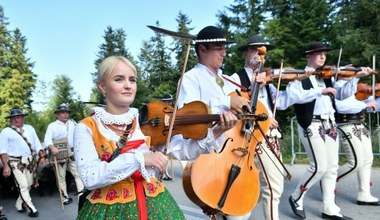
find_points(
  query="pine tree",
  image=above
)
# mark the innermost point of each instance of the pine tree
(156, 66)
(63, 92)
(17, 79)
(358, 31)
(114, 45)
(181, 46)
(242, 20)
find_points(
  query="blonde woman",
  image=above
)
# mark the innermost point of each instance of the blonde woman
(123, 187)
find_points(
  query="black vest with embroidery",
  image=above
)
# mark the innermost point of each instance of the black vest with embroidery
(304, 112)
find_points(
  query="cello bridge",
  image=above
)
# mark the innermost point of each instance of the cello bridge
(241, 152)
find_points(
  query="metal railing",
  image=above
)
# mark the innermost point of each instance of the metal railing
(298, 149)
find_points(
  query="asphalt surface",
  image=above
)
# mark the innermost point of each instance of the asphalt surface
(49, 206)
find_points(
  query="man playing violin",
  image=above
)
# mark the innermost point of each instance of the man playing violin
(268, 156)
(356, 141)
(315, 107)
(205, 82)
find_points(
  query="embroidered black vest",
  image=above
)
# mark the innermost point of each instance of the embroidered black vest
(304, 112)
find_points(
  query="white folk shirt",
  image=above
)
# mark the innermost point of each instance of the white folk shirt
(96, 173)
(323, 105)
(349, 105)
(58, 129)
(198, 84)
(12, 143)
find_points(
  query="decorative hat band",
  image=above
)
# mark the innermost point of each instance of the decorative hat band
(211, 40)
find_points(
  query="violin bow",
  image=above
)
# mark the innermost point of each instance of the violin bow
(337, 65)
(373, 76)
(277, 90)
(189, 39)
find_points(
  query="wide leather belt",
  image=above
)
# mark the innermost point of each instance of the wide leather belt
(324, 117)
(351, 118)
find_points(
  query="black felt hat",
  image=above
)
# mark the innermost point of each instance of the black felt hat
(16, 112)
(256, 40)
(63, 108)
(316, 46)
(211, 34)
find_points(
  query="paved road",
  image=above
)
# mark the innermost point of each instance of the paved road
(50, 208)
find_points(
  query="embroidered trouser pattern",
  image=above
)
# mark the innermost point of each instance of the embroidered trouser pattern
(357, 146)
(321, 145)
(24, 180)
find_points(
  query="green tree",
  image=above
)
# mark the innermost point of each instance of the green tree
(114, 45)
(156, 67)
(240, 20)
(63, 92)
(295, 24)
(13, 93)
(19, 62)
(181, 46)
(17, 80)
(357, 30)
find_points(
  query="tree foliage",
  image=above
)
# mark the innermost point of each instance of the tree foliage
(114, 45)
(17, 79)
(352, 25)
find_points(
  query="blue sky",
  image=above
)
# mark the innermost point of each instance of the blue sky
(63, 36)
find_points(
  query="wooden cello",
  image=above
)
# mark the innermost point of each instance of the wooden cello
(228, 181)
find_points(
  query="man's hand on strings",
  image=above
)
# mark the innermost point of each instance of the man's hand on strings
(238, 103)
(307, 74)
(365, 71)
(227, 121)
(261, 78)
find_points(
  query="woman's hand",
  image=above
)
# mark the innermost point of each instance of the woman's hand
(157, 160)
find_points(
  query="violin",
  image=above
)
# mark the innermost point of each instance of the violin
(288, 74)
(192, 120)
(364, 91)
(326, 72)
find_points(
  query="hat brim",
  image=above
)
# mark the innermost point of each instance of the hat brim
(243, 48)
(317, 50)
(11, 116)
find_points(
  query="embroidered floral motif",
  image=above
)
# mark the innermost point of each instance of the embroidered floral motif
(112, 194)
(365, 132)
(332, 133)
(96, 194)
(106, 155)
(357, 132)
(151, 188)
(126, 193)
(322, 133)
